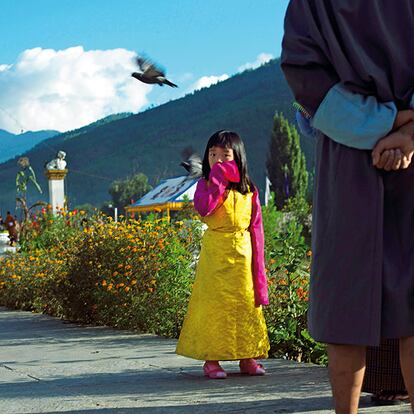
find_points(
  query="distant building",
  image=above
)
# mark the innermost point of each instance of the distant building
(169, 195)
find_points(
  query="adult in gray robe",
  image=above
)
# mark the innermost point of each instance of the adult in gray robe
(350, 64)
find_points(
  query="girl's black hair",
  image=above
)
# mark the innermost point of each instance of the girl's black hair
(229, 139)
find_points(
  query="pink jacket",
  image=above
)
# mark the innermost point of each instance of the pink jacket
(208, 197)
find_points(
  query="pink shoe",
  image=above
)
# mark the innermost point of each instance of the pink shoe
(214, 371)
(251, 367)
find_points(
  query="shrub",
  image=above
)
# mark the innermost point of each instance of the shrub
(138, 274)
(132, 275)
(288, 259)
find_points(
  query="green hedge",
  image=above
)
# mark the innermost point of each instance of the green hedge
(138, 275)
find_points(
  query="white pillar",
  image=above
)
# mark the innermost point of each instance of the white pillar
(268, 186)
(56, 188)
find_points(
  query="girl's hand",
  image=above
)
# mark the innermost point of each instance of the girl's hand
(228, 170)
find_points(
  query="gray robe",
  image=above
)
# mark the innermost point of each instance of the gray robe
(362, 278)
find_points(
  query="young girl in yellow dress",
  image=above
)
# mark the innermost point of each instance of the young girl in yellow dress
(224, 319)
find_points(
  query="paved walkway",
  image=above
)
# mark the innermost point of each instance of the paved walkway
(51, 366)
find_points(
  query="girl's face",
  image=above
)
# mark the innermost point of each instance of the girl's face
(219, 154)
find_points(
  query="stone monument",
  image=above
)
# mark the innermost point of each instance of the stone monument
(56, 172)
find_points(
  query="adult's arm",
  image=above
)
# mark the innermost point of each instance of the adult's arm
(304, 125)
(353, 119)
(306, 66)
(208, 195)
(349, 118)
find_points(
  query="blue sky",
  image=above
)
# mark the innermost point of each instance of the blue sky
(44, 78)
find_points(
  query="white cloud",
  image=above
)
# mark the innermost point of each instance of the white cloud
(262, 58)
(67, 89)
(206, 81)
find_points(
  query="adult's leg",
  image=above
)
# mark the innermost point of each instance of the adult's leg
(407, 365)
(346, 370)
(398, 268)
(345, 292)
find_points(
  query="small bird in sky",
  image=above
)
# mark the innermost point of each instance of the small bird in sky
(151, 73)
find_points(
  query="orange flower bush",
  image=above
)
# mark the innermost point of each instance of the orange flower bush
(135, 275)
(138, 275)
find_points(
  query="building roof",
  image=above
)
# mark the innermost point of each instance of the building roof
(174, 189)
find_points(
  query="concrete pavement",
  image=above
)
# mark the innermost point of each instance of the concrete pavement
(51, 366)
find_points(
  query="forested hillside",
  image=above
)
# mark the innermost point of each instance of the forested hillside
(151, 141)
(15, 144)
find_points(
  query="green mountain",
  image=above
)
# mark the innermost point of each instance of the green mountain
(12, 145)
(151, 142)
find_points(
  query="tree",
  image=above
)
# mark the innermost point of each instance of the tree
(286, 165)
(131, 188)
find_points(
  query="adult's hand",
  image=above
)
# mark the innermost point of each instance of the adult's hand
(385, 154)
(392, 159)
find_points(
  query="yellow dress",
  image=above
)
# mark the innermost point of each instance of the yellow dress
(222, 321)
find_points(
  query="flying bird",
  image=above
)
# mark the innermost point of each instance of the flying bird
(193, 164)
(151, 73)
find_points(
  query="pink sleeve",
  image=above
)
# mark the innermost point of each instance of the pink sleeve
(258, 262)
(208, 196)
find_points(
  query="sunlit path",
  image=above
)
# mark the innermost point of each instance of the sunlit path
(51, 366)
